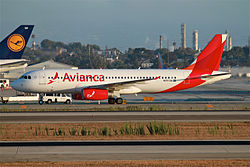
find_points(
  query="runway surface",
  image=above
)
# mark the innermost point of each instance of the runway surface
(139, 150)
(28, 117)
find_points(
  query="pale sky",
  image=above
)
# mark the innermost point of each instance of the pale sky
(127, 23)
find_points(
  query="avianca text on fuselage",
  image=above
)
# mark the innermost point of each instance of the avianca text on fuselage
(82, 78)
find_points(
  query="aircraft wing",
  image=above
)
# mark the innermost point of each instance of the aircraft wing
(12, 63)
(121, 85)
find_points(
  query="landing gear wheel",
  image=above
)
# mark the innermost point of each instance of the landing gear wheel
(119, 100)
(40, 102)
(49, 101)
(111, 100)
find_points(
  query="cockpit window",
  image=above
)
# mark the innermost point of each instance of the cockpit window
(29, 77)
(25, 77)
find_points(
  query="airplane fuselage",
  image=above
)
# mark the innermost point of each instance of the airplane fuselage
(74, 80)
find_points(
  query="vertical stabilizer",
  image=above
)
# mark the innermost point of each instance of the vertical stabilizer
(13, 45)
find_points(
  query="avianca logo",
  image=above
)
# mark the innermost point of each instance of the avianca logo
(53, 80)
(78, 78)
(82, 78)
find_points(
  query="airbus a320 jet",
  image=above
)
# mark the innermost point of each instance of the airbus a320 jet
(102, 84)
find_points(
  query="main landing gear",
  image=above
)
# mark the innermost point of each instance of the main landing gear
(113, 100)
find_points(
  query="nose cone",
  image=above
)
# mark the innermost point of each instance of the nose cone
(16, 85)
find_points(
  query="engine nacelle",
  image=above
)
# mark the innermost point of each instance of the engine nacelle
(92, 94)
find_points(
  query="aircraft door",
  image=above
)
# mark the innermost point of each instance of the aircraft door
(42, 78)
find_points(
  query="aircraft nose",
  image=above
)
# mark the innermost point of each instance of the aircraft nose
(17, 85)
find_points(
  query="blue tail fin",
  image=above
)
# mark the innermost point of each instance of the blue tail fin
(13, 45)
(161, 65)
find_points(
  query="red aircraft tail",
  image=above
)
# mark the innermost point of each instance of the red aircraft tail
(210, 58)
(207, 62)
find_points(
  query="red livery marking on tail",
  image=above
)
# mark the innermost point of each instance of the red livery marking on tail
(207, 62)
(212, 53)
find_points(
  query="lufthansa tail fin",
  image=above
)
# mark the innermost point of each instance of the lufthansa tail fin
(210, 58)
(12, 47)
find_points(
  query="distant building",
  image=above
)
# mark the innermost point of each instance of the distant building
(174, 46)
(195, 40)
(183, 36)
(160, 42)
(147, 64)
(227, 40)
(230, 43)
(249, 46)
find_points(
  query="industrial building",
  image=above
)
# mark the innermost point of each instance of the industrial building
(160, 42)
(195, 40)
(183, 36)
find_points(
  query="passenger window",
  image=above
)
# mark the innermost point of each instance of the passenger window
(29, 77)
(25, 77)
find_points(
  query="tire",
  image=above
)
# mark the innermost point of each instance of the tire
(40, 102)
(67, 101)
(49, 101)
(119, 100)
(5, 102)
(111, 100)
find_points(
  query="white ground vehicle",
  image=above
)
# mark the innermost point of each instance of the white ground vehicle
(19, 99)
(55, 97)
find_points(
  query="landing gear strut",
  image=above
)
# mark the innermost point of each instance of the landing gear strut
(113, 100)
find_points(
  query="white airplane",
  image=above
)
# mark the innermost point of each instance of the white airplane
(101, 84)
(12, 48)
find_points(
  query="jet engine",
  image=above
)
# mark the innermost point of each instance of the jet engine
(91, 94)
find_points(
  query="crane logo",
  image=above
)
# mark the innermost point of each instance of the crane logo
(53, 79)
(91, 95)
(16, 42)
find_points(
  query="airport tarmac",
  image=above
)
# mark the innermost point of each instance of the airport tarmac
(75, 117)
(125, 152)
